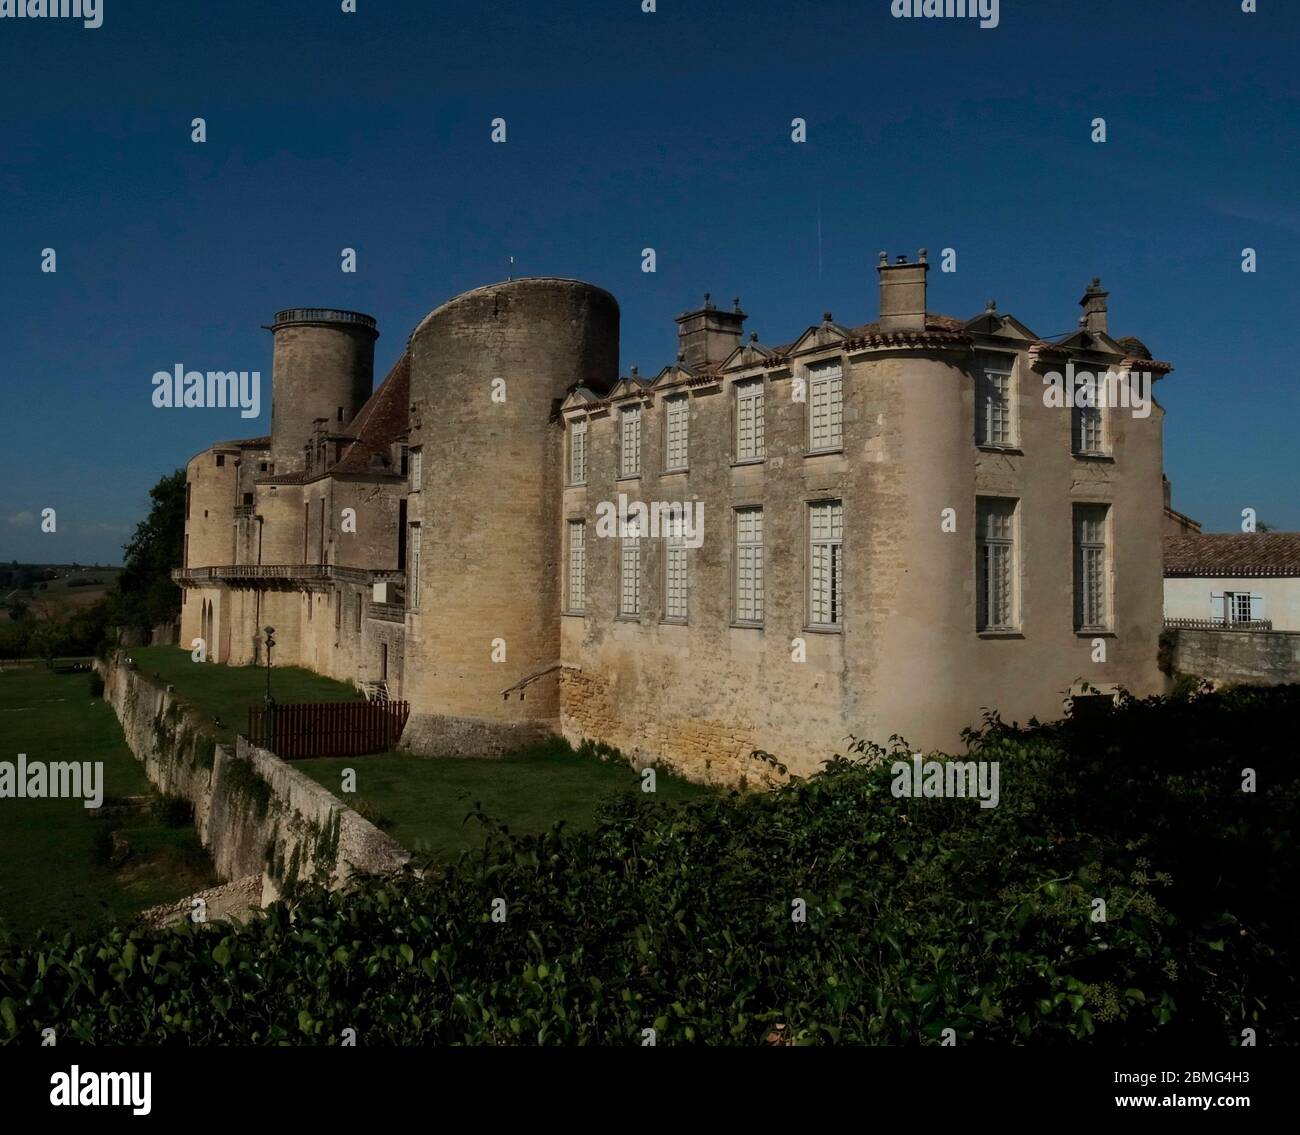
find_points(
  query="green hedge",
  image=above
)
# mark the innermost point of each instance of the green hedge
(922, 915)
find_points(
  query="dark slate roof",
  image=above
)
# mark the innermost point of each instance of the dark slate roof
(244, 443)
(381, 421)
(1135, 347)
(1233, 554)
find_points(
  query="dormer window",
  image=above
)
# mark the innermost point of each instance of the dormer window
(995, 400)
(1088, 415)
(825, 407)
(578, 452)
(630, 448)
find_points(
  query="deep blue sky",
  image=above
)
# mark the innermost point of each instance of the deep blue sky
(629, 130)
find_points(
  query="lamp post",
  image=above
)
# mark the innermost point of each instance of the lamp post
(269, 715)
(270, 643)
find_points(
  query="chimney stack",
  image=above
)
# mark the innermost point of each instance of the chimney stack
(902, 292)
(1094, 306)
(707, 335)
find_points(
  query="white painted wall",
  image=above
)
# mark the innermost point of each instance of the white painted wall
(1191, 598)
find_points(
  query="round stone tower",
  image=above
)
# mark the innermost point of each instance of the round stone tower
(323, 366)
(488, 372)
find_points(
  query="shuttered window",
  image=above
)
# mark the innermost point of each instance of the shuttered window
(751, 444)
(678, 432)
(412, 568)
(630, 577)
(996, 552)
(994, 425)
(826, 407)
(1091, 607)
(826, 563)
(578, 452)
(577, 565)
(631, 442)
(749, 565)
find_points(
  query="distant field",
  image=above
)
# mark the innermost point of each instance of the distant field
(53, 873)
(79, 588)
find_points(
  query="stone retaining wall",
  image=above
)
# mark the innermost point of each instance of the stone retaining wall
(256, 814)
(1251, 657)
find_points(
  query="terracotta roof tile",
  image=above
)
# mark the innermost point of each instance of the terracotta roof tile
(1229, 554)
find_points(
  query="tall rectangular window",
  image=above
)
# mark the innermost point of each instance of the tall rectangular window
(751, 444)
(338, 609)
(826, 563)
(577, 565)
(417, 469)
(356, 615)
(630, 447)
(578, 452)
(678, 432)
(749, 565)
(675, 578)
(1088, 423)
(1091, 605)
(996, 551)
(413, 568)
(994, 424)
(630, 577)
(825, 407)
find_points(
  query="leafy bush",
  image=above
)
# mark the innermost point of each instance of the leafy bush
(921, 915)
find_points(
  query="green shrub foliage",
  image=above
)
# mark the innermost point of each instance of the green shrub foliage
(921, 915)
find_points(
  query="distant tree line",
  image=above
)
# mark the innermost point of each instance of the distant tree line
(142, 596)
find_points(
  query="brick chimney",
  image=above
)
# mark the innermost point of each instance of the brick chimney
(708, 335)
(1094, 306)
(902, 292)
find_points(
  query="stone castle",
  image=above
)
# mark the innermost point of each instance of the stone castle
(898, 529)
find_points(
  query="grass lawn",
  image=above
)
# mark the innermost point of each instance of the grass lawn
(224, 693)
(54, 874)
(428, 798)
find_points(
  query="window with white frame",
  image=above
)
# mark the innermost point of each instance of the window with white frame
(1088, 416)
(677, 432)
(675, 577)
(577, 565)
(996, 551)
(1236, 606)
(751, 444)
(749, 565)
(578, 452)
(412, 569)
(826, 563)
(825, 407)
(994, 402)
(417, 469)
(1091, 605)
(630, 578)
(631, 442)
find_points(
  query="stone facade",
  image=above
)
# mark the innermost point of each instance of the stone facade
(454, 587)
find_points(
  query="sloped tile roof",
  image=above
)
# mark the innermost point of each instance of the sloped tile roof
(381, 421)
(1229, 554)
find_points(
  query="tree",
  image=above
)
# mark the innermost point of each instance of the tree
(144, 594)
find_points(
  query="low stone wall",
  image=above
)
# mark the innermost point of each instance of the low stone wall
(1260, 658)
(255, 813)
